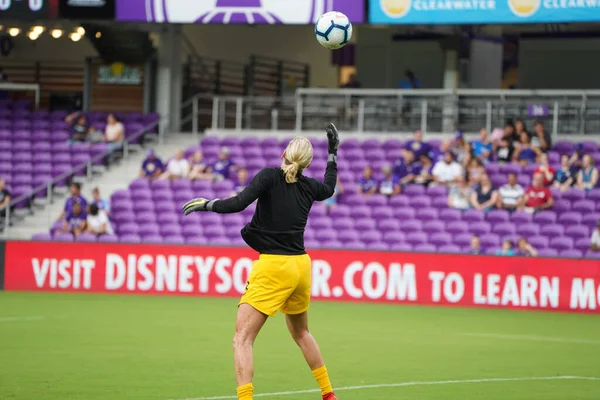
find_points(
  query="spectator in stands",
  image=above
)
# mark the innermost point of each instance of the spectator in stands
(545, 169)
(576, 160)
(505, 151)
(240, 181)
(80, 128)
(75, 221)
(98, 222)
(367, 185)
(510, 132)
(595, 245)
(75, 198)
(101, 203)
(152, 166)
(510, 194)
(410, 81)
(4, 199)
(352, 83)
(448, 171)
(424, 176)
(475, 171)
(497, 135)
(177, 167)
(507, 249)
(199, 169)
(485, 195)
(417, 146)
(482, 148)
(407, 168)
(519, 129)
(525, 249)
(460, 195)
(564, 176)
(461, 149)
(475, 245)
(541, 139)
(221, 167)
(332, 201)
(587, 177)
(390, 184)
(525, 153)
(437, 153)
(537, 196)
(114, 133)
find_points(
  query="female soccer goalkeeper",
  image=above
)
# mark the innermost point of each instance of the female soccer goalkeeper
(281, 278)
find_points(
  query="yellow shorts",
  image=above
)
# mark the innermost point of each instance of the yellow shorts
(279, 282)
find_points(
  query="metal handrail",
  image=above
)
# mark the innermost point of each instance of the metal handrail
(88, 164)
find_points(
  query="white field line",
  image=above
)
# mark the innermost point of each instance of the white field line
(20, 319)
(529, 338)
(403, 384)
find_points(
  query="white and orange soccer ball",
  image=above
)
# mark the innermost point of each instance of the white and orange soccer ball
(333, 30)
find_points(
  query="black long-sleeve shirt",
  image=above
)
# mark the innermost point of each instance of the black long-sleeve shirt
(277, 226)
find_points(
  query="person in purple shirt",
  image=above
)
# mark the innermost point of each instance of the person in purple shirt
(424, 176)
(407, 168)
(75, 197)
(390, 184)
(367, 185)
(76, 219)
(240, 181)
(152, 166)
(417, 145)
(221, 167)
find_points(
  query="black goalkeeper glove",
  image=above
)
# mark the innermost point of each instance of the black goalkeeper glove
(333, 139)
(198, 204)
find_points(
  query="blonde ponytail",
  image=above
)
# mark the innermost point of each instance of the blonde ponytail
(291, 172)
(298, 156)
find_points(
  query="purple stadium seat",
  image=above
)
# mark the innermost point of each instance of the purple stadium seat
(582, 244)
(332, 244)
(108, 239)
(414, 190)
(363, 224)
(388, 225)
(564, 147)
(547, 253)
(440, 238)
(570, 218)
(561, 243)
(593, 195)
(449, 248)
(392, 238)
(419, 201)
(432, 227)
(361, 212)
(416, 238)
(571, 253)
(462, 239)
(545, 217)
(349, 235)
(520, 217)
(577, 232)
(489, 240)
(479, 228)
(411, 226)
(173, 239)
(473, 216)
(591, 219)
(41, 236)
(528, 230)
(497, 216)
(370, 236)
(457, 227)
(343, 223)
(320, 223)
(425, 248)
(354, 200)
(191, 230)
(449, 215)
(573, 195)
(399, 201)
(63, 237)
(401, 247)
(382, 213)
(595, 255)
(539, 242)
(86, 237)
(552, 230)
(376, 200)
(584, 206)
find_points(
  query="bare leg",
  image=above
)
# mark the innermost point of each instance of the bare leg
(248, 323)
(298, 327)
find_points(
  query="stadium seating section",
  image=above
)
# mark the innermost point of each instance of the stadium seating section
(416, 220)
(34, 148)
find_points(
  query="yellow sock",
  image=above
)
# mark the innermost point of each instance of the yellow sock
(245, 392)
(322, 378)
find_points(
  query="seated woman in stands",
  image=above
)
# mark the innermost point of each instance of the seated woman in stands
(80, 128)
(199, 169)
(564, 176)
(114, 133)
(525, 153)
(587, 178)
(240, 181)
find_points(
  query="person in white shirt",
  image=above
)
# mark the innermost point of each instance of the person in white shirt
(114, 133)
(460, 195)
(447, 171)
(511, 194)
(98, 222)
(596, 238)
(177, 167)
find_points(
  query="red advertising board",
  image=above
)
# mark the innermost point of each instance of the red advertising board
(478, 281)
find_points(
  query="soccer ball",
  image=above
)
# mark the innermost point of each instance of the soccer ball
(333, 30)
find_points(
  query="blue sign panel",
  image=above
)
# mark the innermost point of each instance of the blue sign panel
(482, 11)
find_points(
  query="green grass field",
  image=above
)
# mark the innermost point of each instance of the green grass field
(81, 346)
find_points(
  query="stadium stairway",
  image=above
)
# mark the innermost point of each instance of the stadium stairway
(115, 178)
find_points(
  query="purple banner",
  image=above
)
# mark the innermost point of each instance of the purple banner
(237, 11)
(537, 110)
